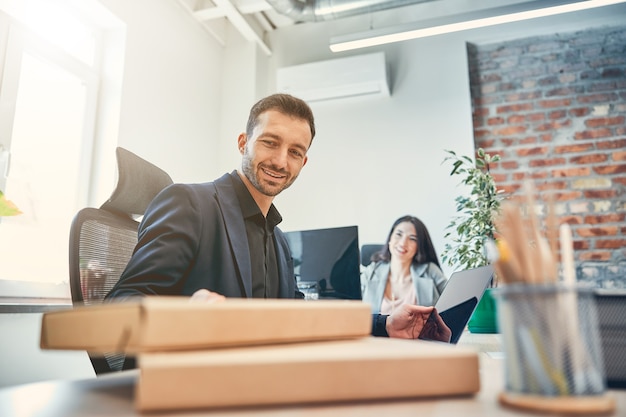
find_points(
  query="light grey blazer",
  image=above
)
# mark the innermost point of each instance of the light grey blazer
(428, 280)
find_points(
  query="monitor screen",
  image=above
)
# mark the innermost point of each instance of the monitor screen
(328, 258)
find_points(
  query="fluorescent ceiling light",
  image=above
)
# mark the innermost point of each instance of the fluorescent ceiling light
(464, 22)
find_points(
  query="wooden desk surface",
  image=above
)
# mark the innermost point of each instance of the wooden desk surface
(112, 395)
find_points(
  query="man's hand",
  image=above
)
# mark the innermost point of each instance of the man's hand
(436, 329)
(206, 296)
(408, 321)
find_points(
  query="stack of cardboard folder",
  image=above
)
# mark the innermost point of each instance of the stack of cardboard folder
(250, 352)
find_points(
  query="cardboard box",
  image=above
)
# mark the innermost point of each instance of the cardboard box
(173, 323)
(361, 369)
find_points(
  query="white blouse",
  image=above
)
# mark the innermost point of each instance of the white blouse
(403, 292)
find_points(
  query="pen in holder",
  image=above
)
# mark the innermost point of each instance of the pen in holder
(553, 355)
(549, 326)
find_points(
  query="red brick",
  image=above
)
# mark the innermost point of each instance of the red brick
(481, 132)
(532, 151)
(605, 121)
(579, 112)
(620, 180)
(619, 156)
(553, 185)
(610, 243)
(516, 119)
(484, 100)
(580, 147)
(553, 125)
(522, 96)
(595, 256)
(510, 189)
(593, 134)
(529, 140)
(605, 218)
(597, 98)
(610, 169)
(499, 177)
(495, 121)
(510, 165)
(481, 111)
(538, 175)
(484, 143)
(535, 117)
(563, 91)
(559, 114)
(546, 162)
(608, 194)
(573, 195)
(611, 144)
(511, 130)
(554, 103)
(572, 220)
(571, 172)
(546, 137)
(580, 245)
(597, 231)
(508, 142)
(589, 159)
(514, 108)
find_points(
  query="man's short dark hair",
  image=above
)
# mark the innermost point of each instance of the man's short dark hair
(284, 103)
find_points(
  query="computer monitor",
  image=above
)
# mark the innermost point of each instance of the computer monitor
(329, 258)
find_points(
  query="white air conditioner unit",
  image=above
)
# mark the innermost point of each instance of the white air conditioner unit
(361, 75)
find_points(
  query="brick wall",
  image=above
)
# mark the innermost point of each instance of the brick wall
(554, 108)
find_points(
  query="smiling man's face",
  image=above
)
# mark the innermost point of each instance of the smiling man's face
(276, 152)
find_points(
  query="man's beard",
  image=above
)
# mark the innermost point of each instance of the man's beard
(249, 171)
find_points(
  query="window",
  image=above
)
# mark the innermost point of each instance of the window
(49, 91)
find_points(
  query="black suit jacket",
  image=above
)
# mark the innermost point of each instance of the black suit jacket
(193, 236)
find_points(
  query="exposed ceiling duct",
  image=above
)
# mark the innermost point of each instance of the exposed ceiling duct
(320, 10)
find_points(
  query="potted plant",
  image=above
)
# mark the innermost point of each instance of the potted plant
(473, 224)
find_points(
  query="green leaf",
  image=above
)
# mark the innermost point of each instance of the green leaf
(7, 208)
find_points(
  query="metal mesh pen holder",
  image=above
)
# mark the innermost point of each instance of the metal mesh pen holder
(552, 349)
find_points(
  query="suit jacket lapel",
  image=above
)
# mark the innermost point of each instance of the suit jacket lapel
(235, 229)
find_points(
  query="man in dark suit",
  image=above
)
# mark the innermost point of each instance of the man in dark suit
(220, 239)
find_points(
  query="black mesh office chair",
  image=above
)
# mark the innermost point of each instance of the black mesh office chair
(103, 239)
(367, 251)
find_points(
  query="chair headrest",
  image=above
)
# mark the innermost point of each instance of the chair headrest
(139, 181)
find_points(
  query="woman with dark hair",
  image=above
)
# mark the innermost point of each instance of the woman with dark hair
(405, 271)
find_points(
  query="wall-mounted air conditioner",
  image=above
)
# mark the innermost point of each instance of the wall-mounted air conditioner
(361, 75)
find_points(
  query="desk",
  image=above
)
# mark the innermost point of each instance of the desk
(112, 395)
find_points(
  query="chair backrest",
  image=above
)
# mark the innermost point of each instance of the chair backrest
(102, 239)
(367, 251)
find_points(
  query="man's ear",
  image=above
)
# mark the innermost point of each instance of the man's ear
(241, 142)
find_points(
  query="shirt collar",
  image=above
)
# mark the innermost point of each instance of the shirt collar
(249, 207)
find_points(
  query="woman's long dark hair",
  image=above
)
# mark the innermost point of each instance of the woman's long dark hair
(425, 249)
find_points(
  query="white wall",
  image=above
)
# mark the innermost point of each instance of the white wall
(375, 160)
(171, 90)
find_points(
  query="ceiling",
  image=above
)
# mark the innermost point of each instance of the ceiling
(253, 19)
